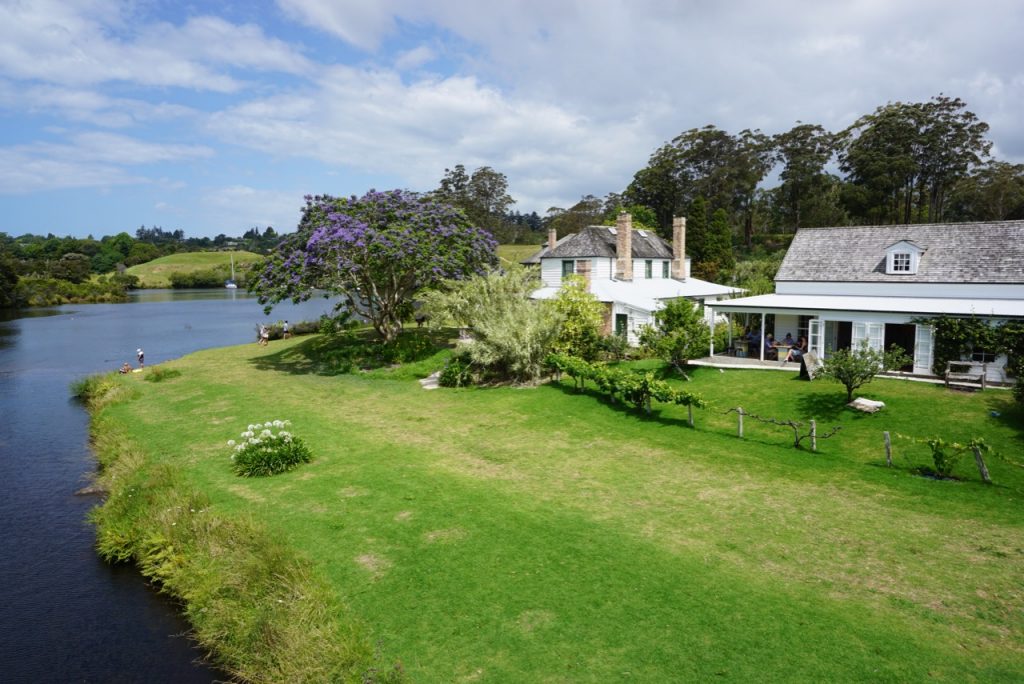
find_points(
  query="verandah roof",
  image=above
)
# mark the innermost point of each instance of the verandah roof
(786, 303)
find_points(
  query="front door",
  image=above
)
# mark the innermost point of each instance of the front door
(621, 324)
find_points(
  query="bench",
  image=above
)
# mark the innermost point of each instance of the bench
(966, 373)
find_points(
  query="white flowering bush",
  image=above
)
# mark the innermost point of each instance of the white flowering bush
(267, 449)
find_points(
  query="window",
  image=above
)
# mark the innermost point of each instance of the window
(803, 326)
(648, 269)
(664, 269)
(901, 262)
(568, 268)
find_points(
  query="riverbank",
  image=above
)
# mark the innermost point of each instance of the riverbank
(517, 535)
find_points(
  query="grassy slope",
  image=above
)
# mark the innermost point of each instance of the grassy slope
(525, 535)
(157, 273)
(513, 254)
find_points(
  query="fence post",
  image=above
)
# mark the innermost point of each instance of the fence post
(981, 464)
(888, 449)
(739, 412)
(689, 408)
(814, 435)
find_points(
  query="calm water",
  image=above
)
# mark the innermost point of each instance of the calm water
(65, 616)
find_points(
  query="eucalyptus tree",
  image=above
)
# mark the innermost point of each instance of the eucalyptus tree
(905, 157)
(804, 152)
(992, 192)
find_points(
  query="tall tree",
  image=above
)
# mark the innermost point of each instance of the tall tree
(697, 231)
(589, 211)
(904, 158)
(804, 151)
(993, 192)
(482, 195)
(708, 162)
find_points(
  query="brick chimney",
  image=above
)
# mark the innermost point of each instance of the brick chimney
(552, 238)
(679, 248)
(624, 247)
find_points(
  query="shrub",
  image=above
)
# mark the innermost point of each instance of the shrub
(1018, 390)
(456, 373)
(854, 368)
(262, 452)
(160, 374)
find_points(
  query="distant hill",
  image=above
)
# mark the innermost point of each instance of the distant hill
(157, 273)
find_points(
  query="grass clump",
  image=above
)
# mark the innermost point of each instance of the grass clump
(96, 391)
(160, 373)
(263, 452)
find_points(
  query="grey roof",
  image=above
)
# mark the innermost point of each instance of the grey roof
(990, 252)
(599, 241)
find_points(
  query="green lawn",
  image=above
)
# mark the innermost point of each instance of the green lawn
(513, 254)
(157, 273)
(538, 534)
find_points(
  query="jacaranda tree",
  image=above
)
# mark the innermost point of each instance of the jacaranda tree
(375, 252)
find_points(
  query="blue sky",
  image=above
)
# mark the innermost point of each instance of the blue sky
(217, 117)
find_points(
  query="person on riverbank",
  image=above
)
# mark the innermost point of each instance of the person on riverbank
(141, 356)
(285, 334)
(264, 336)
(125, 368)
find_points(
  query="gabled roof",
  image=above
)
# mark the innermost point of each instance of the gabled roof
(599, 241)
(990, 252)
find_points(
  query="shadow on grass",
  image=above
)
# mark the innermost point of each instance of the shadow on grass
(822, 406)
(1009, 413)
(352, 352)
(655, 416)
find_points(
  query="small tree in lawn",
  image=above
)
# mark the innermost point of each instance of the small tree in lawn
(582, 316)
(511, 334)
(681, 333)
(375, 252)
(854, 368)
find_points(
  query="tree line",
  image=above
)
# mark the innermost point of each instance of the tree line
(905, 162)
(58, 262)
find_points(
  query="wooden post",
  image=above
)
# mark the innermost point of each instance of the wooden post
(739, 412)
(981, 464)
(814, 435)
(888, 449)
(689, 409)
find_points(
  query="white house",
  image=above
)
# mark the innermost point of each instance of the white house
(631, 271)
(841, 285)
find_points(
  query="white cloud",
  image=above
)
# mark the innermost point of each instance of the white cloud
(373, 121)
(415, 58)
(86, 160)
(237, 208)
(92, 43)
(88, 106)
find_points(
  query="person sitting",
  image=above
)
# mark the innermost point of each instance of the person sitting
(788, 340)
(126, 368)
(769, 347)
(798, 351)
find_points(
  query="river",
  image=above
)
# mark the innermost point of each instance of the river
(66, 615)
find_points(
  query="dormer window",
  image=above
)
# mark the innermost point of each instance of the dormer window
(902, 258)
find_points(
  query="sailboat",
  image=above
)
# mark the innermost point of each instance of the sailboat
(230, 284)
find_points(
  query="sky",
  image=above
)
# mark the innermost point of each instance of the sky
(219, 117)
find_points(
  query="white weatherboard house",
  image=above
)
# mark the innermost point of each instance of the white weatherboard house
(631, 271)
(838, 286)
